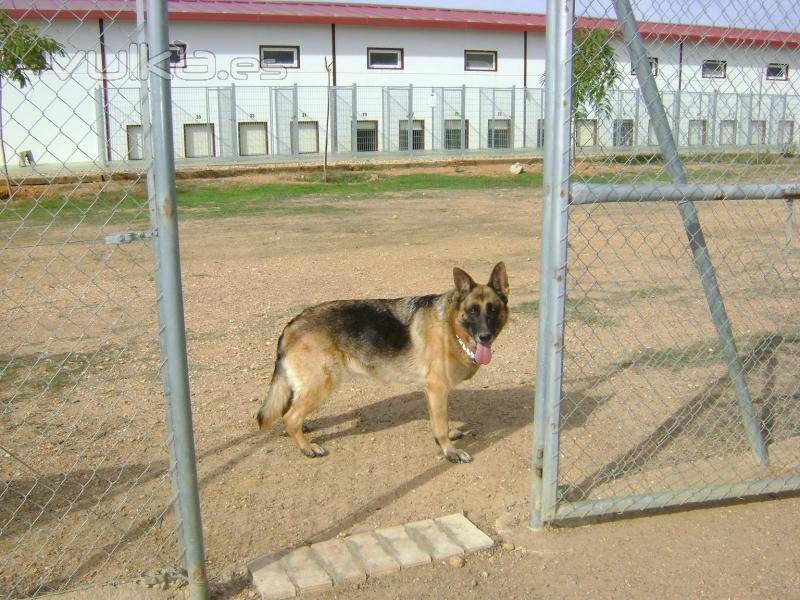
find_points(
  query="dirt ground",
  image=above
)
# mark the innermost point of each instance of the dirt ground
(243, 279)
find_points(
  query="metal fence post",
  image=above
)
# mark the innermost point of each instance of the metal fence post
(295, 123)
(513, 127)
(234, 128)
(480, 117)
(334, 113)
(694, 230)
(463, 118)
(386, 117)
(170, 300)
(354, 121)
(552, 270)
(101, 127)
(410, 132)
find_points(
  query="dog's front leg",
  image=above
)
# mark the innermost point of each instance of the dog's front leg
(436, 394)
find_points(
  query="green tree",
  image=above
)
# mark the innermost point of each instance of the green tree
(595, 72)
(23, 51)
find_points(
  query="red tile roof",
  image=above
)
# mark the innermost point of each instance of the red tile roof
(378, 15)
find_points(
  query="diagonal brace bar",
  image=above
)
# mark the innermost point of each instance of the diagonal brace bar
(692, 226)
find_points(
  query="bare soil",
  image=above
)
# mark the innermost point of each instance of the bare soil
(94, 486)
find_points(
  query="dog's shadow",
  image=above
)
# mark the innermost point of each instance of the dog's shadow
(485, 412)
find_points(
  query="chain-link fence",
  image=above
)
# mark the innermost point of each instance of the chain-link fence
(668, 368)
(85, 455)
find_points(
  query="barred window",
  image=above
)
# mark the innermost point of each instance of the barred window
(452, 134)
(499, 133)
(417, 134)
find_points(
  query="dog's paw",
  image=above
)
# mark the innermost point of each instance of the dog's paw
(455, 455)
(313, 451)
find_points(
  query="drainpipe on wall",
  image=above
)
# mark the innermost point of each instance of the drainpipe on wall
(333, 53)
(524, 89)
(676, 126)
(525, 59)
(104, 77)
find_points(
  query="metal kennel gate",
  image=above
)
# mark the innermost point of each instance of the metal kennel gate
(98, 478)
(667, 371)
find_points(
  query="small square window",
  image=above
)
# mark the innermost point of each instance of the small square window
(480, 60)
(758, 132)
(417, 135)
(778, 71)
(307, 136)
(135, 142)
(697, 132)
(727, 132)
(585, 133)
(199, 140)
(366, 136)
(623, 132)
(785, 132)
(177, 54)
(253, 140)
(653, 66)
(499, 133)
(715, 69)
(453, 134)
(280, 56)
(540, 133)
(385, 58)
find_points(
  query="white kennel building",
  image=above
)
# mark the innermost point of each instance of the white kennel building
(250, 82)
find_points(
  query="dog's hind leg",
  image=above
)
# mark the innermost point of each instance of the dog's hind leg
(313, 381)
(293, 422)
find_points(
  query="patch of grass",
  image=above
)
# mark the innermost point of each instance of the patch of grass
(643, 293)
(28, 375)
(621, 177)
(755, 350)
(106, 207)
(528, 307)
(577, 310)
(197, 200)
(587, 313)
(674, 359)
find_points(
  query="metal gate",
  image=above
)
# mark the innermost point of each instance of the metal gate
(669, 327)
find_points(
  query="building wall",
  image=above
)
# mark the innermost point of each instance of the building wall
(55, 117)
(223, 91)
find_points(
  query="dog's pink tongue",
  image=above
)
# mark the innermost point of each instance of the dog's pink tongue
(483, 354)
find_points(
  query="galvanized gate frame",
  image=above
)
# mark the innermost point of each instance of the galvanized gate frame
(153, 27)
(558, 194)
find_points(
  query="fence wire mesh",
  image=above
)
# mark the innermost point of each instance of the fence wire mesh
(85, 495)
(649, 414)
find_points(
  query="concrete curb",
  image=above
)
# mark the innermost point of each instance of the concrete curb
(309, 569)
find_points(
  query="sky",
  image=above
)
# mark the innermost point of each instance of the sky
(783, 15)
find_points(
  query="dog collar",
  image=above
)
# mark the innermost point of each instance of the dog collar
(466, 350)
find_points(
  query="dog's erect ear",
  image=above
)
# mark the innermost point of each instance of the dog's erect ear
(499, 280)
(463, 281)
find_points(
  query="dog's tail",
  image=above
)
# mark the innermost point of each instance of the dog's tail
(279, 397)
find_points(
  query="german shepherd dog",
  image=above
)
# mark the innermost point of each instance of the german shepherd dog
(434, 341)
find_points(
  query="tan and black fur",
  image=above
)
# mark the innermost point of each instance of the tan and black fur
(412, 340)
